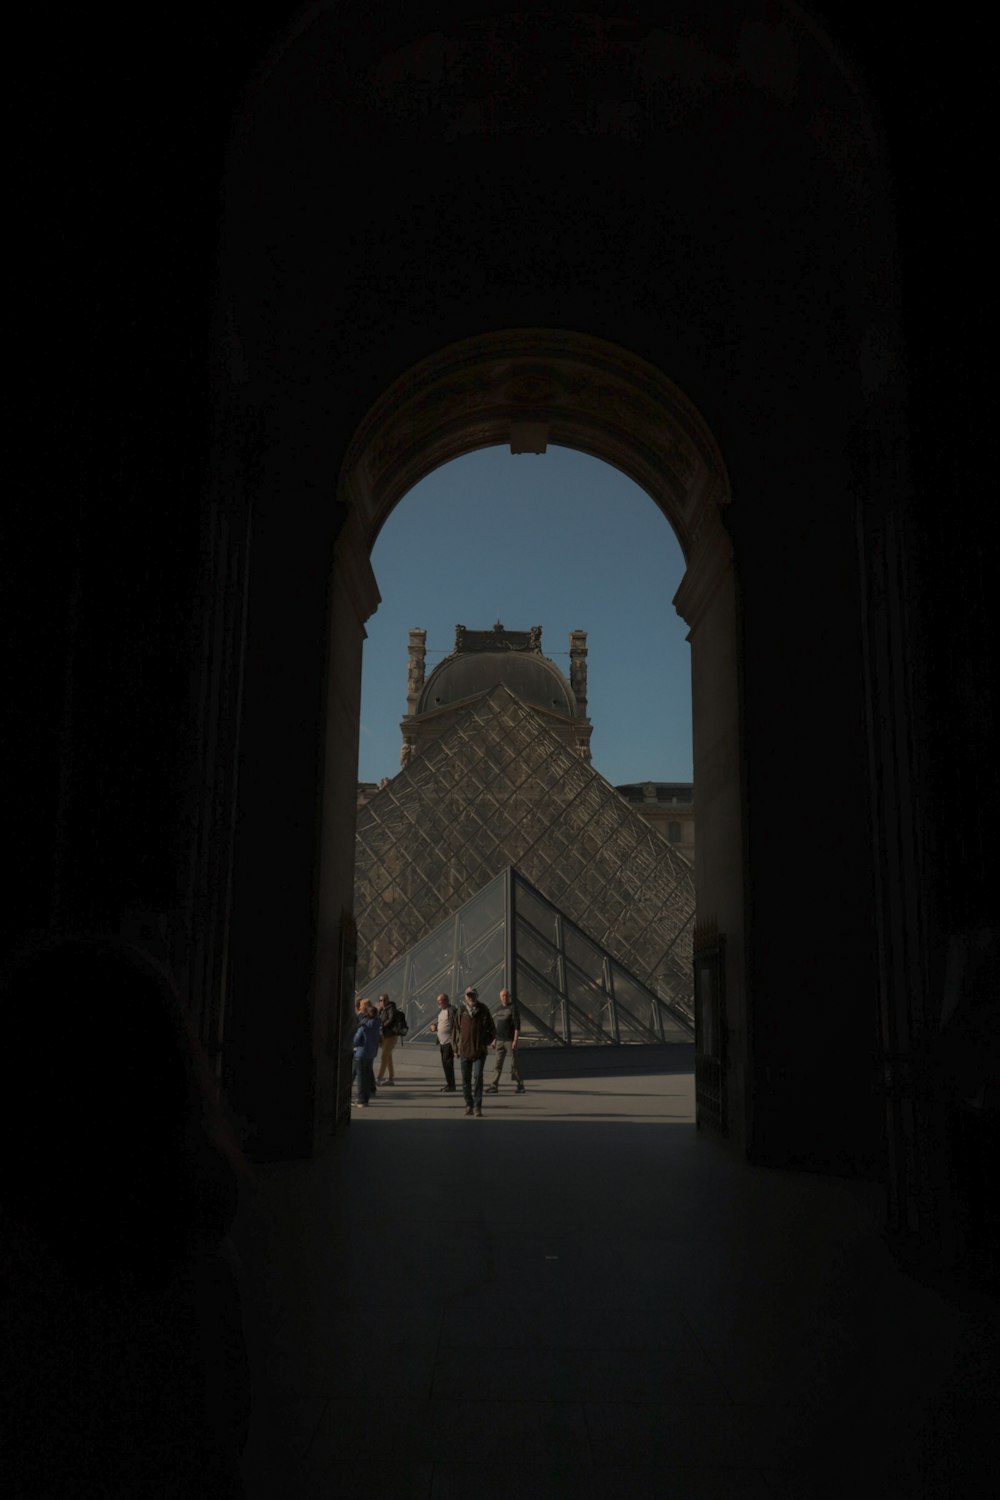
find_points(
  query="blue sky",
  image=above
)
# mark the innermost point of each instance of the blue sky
(559, 540)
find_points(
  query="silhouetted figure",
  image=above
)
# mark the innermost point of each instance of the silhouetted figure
(124, 1361)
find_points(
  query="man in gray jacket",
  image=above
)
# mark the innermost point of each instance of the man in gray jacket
(507, 1020)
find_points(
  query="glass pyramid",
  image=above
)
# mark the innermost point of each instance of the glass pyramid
(499, 789)
(569, 989)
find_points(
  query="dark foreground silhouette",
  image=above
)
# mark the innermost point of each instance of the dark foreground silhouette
(122, 1356)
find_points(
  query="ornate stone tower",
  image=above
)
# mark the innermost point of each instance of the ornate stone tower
(578, 682)
(415, 667)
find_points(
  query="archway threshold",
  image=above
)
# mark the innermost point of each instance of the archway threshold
(625, 1298)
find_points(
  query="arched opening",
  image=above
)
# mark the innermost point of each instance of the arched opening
(712, 214)
(559, 540)
(528, 388)
(563, 571)
(712, 187)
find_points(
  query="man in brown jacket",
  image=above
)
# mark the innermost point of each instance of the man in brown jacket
(473, 1032)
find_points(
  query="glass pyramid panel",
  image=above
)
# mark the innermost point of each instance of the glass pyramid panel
(499, 789)
(590, 1002)
(569, 989)
(468, 948)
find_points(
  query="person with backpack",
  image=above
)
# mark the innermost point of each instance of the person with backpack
(393, 1024)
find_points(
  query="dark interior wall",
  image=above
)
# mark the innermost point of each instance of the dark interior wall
(500, 174)
(109, 442)
(269, 1035)
(716, 215)
(717, 206)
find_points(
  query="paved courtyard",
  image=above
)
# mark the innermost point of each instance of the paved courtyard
(580, 1295)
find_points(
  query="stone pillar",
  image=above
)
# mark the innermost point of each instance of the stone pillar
(285, 1058)
(353, 599)
(707, 601)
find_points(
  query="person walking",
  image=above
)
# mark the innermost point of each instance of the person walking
(367, 1037)
(388, 1020)
(471, 1037)
(507, 1023)
(444, 1029)
(362, 1066)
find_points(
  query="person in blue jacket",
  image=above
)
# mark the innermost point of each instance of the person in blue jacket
(365, 1048)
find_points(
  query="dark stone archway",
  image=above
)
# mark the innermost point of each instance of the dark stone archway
(700, 207)
(581, 392)
(724, 192)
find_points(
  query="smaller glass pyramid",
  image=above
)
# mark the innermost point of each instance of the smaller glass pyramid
(569, 989)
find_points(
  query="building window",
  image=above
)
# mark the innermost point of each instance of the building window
(674, 832)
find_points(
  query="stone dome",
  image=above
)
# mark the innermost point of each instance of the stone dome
(531, 677)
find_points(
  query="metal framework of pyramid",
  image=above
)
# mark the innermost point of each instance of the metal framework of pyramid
(569, 990)
(498, 789)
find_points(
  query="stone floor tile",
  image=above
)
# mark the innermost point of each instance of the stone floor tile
(545, 1481)
(409, 1368)
(574, 1324)
(640, 1312)
(731, 1436)
(368, 1477)
(677, 1374)
(514, 1431)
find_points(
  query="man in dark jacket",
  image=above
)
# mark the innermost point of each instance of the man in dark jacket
(473, 1032)
(388, 1020)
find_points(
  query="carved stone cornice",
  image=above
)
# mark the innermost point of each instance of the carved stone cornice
(353, 569)
(710, 562)
(589, 394)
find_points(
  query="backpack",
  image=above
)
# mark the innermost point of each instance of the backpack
(400, 1026)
